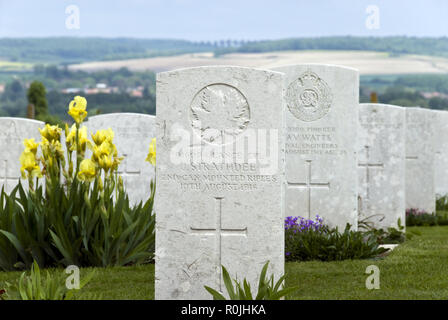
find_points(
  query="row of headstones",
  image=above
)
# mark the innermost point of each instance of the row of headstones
(326, 154)
(238, 149)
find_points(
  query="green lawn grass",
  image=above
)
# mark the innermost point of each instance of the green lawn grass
(417, 269)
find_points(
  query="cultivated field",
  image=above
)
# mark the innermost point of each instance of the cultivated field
(367, 62)
(14, 66)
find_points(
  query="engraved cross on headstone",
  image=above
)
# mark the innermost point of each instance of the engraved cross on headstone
(125, 172)
(369, 165)
(219, 232)
(308, 185)
(4, 177)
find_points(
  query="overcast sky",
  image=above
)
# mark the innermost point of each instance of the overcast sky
(223, 19)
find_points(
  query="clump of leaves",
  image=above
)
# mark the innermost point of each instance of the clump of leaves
(415, 217)
(328, 244)
(267, 290)
(390, 235)
(35, 287)
(81, 225)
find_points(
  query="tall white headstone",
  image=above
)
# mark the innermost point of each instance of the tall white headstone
(381, 164)
(220, 172)
(13, 131)
(321, 130)
(420, 193)
(133, 134)
(441, 152)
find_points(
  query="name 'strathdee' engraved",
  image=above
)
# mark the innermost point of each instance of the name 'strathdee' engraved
(309, 97)
(219, 113)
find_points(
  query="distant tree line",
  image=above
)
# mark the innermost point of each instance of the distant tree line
(408, 90)
(68, 50)
(395, 45)
(59, 77)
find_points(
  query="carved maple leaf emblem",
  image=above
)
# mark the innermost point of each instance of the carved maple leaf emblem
(221, 109)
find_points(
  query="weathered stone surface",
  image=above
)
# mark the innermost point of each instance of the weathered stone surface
(381, 164)
(321, 131)
(441, 152)
(219, 184)
(133, 134)
(420, 193)
(12, 133)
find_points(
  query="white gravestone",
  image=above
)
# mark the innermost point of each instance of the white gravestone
(133, 133)
(321, 118)
(420, 193)
(381, 164)
(13, 131)
(441, 152)
(220, 170)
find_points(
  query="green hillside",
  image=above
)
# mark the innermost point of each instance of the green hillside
(66, 50)
(394, 45)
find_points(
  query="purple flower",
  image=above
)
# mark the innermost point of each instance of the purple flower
(415, 212)
(303, 224)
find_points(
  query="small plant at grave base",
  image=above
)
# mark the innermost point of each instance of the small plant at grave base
(267, 290)
(415, 217)
(83, 216)
(307, 240)
(35, 287)
(389, 236)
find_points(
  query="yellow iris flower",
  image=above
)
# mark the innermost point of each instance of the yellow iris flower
(83, 137)
(117, 161)
(102, 135)
(51, 133)
(105, 162)
(31, 145)
(106, 148)
(29, 164)
(105, 155)
(77, 109)
(151, 158)
(87, 170)
(51, 148)
(70, 140)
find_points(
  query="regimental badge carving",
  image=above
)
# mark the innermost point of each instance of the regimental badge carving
(219, 113)
(309, 97)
